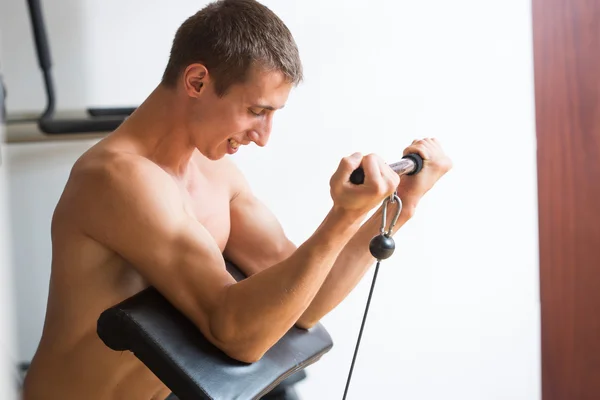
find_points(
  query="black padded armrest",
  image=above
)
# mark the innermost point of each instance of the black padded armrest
(188, 364)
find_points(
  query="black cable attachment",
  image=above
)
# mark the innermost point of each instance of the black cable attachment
(381, 247)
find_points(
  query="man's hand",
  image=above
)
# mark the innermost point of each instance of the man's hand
(380, 182)
(435, 165)
(355, 259)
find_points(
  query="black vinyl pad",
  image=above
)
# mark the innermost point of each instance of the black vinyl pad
(173, 348)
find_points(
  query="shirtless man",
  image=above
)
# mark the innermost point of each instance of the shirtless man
(159, 202)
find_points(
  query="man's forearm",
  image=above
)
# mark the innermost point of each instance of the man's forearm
(351, 265)
(258, 310)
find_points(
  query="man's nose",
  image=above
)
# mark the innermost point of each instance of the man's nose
(260, 135)
(260, 138)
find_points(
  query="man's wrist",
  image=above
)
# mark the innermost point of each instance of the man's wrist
(352, 217)
(344, 222)
(409, 205)
(408, 210)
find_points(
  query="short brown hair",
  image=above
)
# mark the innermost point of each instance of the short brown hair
(229, 37)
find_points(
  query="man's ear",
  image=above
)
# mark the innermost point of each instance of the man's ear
(195, 78)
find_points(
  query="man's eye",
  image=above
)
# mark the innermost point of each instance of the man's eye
(258, 114)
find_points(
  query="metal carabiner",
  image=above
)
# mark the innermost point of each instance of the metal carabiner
(393, 198)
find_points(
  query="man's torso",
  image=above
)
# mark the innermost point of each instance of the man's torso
(87, 278)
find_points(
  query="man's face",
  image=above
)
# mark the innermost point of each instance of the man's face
(221, 125)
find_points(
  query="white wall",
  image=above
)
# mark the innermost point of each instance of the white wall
(455, 313)
(8, 378)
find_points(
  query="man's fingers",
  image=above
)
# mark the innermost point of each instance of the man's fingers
(423, 147)
(381, 176)
(391, 177)
(373, 174)
(349, 164)
(417, 148)
(431, 151)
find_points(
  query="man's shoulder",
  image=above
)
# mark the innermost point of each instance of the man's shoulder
(105, 168)
(104, 187)
(101, 178)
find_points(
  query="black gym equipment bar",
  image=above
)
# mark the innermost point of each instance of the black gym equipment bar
(98, 120)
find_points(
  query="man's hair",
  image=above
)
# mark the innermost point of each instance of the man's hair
(230, 37)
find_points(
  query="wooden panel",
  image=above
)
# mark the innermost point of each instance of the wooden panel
(567, 94)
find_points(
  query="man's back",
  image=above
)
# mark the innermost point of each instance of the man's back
(87, 277)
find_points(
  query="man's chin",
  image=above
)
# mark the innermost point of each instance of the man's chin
(213, 155)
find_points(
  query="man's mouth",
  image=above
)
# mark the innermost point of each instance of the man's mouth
(234, 145)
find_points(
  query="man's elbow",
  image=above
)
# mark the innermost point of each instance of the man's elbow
(238, 346)
(252, 351)
(243, 350)
(247, 356)
(306, 323)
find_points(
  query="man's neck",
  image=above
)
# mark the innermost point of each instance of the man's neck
(157, 126)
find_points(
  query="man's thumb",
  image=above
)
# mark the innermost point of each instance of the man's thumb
(352, 162)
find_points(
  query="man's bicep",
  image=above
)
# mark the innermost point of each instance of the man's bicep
(141, 218)
(257, 240)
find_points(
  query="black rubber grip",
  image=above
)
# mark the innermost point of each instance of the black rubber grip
(358, 175)
(418, 163)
